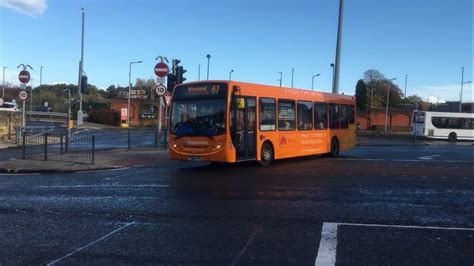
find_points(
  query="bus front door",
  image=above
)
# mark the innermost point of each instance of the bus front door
(245, 135)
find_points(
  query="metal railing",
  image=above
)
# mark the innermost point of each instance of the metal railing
(31, 131)
(58, 146)
(146, 137)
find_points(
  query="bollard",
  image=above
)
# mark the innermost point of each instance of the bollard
(46, 146)
(62, 142)
(128, 139)
(93, 149)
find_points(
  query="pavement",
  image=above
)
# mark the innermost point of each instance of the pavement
(104, 159)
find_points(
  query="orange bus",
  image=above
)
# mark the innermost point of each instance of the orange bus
(228, 121)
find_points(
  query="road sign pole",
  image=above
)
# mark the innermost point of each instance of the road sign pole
(23, 117)
(160, 114)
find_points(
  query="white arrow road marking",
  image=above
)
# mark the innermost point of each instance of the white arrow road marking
(428, 157)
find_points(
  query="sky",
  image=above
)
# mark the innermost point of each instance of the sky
(428, 40)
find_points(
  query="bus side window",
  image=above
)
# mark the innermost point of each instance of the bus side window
(286, 115)
(351, 114)
(305, 115)
(333, 116)
(343, 117)
(320, 115)
(267, 114)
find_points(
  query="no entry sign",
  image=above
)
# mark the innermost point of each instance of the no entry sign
(161, 70)
(24, 76)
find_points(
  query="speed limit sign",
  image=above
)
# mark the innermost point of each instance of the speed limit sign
(160, 89)
(23, 95)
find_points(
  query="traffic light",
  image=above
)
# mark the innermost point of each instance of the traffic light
(175, 63)
(179, 74)
(171, 82)
(83, 83)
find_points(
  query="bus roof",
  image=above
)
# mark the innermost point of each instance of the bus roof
(277, 91)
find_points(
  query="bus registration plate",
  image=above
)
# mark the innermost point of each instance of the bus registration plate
(195, 158)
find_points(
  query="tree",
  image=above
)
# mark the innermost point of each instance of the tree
(361, 95)
(377, 93)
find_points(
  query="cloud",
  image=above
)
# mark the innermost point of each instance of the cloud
(448, 92)
(32, 8)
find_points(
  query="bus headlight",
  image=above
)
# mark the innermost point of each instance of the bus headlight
(218, 146)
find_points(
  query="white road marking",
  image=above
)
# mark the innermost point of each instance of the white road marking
(410, 226)
(327, 245)
(428, 157)
(90, 244)
(398, 160)
(252, 237)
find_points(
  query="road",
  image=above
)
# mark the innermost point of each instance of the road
(373, 205)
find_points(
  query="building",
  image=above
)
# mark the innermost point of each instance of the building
(143, 112)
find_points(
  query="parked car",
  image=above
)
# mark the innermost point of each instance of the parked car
(9, 106)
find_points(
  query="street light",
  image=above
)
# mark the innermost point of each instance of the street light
(462, 83)
(386, 108)
(129, 88)
(312, 80)
(208, 59)
(68, 119)
(406, 78)
(281, 76)
(292, 74)
(41, 75)
(335, 88)
(230, 74)
(333, 76)
(199, 72)
(3, 87)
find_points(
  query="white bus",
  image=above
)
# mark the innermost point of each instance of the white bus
(443, 125)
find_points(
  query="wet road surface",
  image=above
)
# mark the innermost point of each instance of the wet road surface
(373, 205)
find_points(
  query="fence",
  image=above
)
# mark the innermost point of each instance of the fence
(146, 137)
(57, 145)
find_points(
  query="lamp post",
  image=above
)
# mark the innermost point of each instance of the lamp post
(292, 74)
(68, 119)
(208, 59)
(199, 72)
(386, 108)
(80, 114)
(230, 74)
(406, 78)
(281, 76)
(130, 88)
(312, 80)
(333, 76)
(462, 83)
(41, 75)
(31, 97)
(460, 102)
(335, 88)
(3, 86)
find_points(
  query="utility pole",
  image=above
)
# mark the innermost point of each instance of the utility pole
(41, 75)
(208, 59)
(3, 87)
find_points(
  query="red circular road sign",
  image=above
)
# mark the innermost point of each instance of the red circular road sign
(24, 76)
(161, 70)
(23, 95)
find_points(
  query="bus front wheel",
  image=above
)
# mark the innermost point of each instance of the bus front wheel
(452, 136)
(266, 154)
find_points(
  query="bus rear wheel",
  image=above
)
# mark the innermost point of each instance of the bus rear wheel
(334, 147)
(266, 155)
(452, 136)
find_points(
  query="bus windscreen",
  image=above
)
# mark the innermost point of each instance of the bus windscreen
(199, 110)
